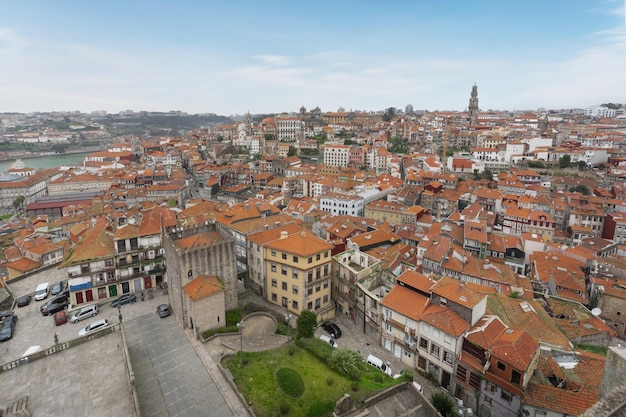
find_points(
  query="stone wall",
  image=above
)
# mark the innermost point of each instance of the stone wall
(183, 266)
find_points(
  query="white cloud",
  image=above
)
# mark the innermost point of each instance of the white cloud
(277, 60)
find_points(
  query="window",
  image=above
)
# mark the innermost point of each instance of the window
(309, 306)
(284, 286)
(294, 304)
(294, 273)
(284, 256)
(443, 302)
(285, 302)
(447, 357)
(501, 366)
(325, 298)
(434, 350)
(423, 343)
(274, 283)
(273, 268)
(325, 254)
(317, 257)
(317, 303)
(325, 284)
(295, 259)
(461, 372)
(318, 288)
(448, 339)
(506, 396)
(311, 260)
(283, 270)
(325, 270)
(273, 253)
(309, 291)
(516, 377)
(274, 298)
(294, 289)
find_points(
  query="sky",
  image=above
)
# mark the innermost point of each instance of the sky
(233, 56)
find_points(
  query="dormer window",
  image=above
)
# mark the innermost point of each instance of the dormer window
(443, 301)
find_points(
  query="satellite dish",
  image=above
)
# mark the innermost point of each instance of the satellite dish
(596, 311)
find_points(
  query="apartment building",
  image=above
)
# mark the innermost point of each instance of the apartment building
(113, 259)
(336, 155)
(296, 267)
(341, 204)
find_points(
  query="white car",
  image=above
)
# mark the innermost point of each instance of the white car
(329, 340)
(94, 327)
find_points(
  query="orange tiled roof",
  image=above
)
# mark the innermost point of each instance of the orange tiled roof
(457, 292)
(406, 302)
(199, 240)
(203, 286)
(446, 320)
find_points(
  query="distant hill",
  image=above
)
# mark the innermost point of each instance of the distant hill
(174, 122)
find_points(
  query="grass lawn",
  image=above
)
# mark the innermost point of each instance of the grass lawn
(257, 382)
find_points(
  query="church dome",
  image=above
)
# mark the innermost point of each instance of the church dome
(18, 164)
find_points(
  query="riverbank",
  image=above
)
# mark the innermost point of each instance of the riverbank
(35, 155)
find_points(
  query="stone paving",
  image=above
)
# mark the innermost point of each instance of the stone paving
(170, 378)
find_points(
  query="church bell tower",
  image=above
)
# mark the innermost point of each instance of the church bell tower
(473, 105)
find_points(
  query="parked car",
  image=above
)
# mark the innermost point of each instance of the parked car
(8, 327)
(85, 312)
(24, 300)
(94, 327)
(163, 310)
(60, 318)
(4, 314)
(124, 299)
(329, 340)
(332, 329)
(53, 305)
(57, 288)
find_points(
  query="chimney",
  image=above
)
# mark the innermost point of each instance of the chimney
(283, 234)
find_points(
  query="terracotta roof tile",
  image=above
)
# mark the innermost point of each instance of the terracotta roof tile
(203, 286)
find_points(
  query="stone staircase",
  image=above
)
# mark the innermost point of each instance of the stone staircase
(16, 409)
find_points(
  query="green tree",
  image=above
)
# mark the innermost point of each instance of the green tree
(389, 113)
(292, 151)
(269, 136)
(565, 161)
(306, 324)
(581, 165)
(488, 174)
(583, 189)
(444, 404)
(18, 203)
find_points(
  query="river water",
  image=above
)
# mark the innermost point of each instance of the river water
(51, 161)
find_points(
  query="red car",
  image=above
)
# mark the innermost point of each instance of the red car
(60, 318)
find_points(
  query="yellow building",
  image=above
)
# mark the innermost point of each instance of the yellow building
(298, 273)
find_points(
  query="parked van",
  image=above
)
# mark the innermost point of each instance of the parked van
(42, 291)
(84, 313)
(378, 363)
(329, 340)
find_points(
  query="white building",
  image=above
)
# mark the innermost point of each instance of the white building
(336, 155)
(599, 111)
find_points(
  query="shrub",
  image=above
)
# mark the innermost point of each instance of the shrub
(443, 403)
(321, 350)
(233, 317)
(329, 380)
(346, 362)
(407, 375)
(244, 360)
(378, 377)
(284, 408)
(354, 386)
(290, 382)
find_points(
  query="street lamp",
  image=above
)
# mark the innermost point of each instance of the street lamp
(288, 317)
(241, 325)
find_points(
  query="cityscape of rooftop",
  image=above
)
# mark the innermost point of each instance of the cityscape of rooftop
(230, 58)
